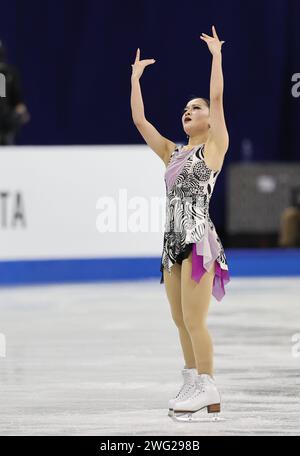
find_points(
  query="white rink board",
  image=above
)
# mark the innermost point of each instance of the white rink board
(56, 190)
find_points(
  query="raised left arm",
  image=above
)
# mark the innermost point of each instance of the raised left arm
(218, 137)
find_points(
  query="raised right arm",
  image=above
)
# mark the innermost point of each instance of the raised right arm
(162, 146)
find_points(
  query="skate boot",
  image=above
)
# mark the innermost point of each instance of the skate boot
(186, 389)
(206, 395)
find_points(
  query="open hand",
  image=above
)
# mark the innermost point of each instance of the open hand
(213, 42)
(139, 65)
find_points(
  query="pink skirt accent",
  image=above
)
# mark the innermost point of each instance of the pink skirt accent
(221, 277)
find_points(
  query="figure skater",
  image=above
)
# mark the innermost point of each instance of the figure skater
(193, 262)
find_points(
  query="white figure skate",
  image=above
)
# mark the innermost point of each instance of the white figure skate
(187, 389)
(206, 395)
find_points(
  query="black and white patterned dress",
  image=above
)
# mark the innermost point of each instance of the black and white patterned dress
(189, 187)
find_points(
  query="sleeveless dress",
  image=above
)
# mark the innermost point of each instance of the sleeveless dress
(189, 187)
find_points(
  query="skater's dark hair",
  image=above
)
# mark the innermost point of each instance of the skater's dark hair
(207, 102)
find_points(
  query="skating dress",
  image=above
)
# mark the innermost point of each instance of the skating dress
(189, 187)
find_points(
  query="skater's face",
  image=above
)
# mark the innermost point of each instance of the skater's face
(198, 111)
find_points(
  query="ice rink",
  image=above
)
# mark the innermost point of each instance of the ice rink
(104, 359)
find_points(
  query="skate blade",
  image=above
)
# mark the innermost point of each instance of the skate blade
(199, 416)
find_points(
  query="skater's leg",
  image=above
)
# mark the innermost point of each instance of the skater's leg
(173, 290)
(195, 299)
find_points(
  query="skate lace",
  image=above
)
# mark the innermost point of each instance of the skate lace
(200, 388)
(184, 389)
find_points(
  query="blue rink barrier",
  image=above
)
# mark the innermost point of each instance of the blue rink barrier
(242, 263)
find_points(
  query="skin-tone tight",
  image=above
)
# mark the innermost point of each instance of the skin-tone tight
(189, 302)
